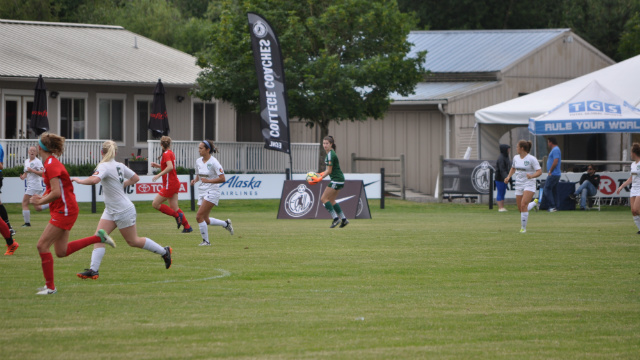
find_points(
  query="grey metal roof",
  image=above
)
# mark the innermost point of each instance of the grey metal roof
(478, 50)
(440, 91)
(89, 53)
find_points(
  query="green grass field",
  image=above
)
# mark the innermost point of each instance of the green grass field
(444, 281)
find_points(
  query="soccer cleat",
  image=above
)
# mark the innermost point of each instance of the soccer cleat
(229, 227)
(88, 274)
(190, 229)
(179, 219)
(522, 231)
(335, 223)
(11, 249)
(537, 207)
(344, 223)
(105, 238)
(502, 210)
(167, 257)
(205, 243)
(553, 210)
(46, 291)
(26, 225)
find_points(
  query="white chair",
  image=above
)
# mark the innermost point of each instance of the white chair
(593, 202)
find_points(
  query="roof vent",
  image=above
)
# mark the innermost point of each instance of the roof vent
(135, 42)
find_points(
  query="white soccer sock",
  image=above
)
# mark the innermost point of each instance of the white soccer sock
(204, 231)
(96, 258)
(524, 217)
(216, 222)
(153, 247)
(26, 214)
(636, 219)
(531, 206)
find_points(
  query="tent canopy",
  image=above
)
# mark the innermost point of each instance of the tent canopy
(494, 121)
(592, 110)
(622, 79)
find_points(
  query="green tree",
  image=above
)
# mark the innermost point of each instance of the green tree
(34, 10)
(630, 40)
(342, 58)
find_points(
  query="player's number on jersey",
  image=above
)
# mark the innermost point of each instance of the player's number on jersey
(120, 175)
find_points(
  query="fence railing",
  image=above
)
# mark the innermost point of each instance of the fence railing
(77, 152)
(237, 157)
(242, 157)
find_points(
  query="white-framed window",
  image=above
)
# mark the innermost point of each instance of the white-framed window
(72, 114)
(111, 117)
(205, 115)
(143, 105)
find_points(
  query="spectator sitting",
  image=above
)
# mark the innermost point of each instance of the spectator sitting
(589, 183)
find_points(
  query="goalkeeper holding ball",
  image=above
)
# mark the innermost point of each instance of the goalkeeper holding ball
(337, 182)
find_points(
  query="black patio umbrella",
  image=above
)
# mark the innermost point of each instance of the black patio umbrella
(39, 120)
(158, 120)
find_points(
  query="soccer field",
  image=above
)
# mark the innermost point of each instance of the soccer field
(417, 281)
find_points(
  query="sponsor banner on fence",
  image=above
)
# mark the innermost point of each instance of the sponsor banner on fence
(609, 182)
(466, 176)
(237, 186)
(302, 201)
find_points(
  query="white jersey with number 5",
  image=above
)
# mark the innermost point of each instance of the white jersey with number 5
(112, 175)
(527, 165)
(209, 170)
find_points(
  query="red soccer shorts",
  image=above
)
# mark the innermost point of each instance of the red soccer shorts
(63, 222)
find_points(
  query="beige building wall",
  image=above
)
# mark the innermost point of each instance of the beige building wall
(419, 134)
(557, 62)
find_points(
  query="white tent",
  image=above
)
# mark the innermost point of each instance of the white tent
(622, 79)
(593, 110)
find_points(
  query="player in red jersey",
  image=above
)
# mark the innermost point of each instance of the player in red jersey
(170, 186)
(63, 209)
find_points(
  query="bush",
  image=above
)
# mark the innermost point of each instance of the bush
(73, 170)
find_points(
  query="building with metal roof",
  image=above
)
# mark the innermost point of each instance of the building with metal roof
(469, 70)
(100, 81)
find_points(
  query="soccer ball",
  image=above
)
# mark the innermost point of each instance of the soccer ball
(310, 176)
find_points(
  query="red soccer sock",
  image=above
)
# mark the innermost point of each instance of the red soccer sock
(47, 269)
(185, 223)
(81, 244)
(167, 210)
(4, 230)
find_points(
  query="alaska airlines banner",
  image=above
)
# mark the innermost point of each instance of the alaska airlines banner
(267, 58)
(466, 176)
(302, 201)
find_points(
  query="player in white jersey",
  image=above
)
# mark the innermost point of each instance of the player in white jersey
(526, 169)
(634, 180)
(119, 211)
(33, 170)
(210, 174)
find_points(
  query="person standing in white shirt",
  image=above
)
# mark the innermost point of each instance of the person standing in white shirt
(210, 174)
(634, 180)
(33, 170)
(119, 211)
(526, 168)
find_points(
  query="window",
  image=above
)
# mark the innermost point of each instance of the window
(144, 107)
(204, 121)
(111, 119)
(72, 118)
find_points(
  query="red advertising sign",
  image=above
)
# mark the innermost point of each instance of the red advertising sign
(154, 188)
(607, 185)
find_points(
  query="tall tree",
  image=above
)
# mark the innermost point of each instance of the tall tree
(342, 58)
(630, 40)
